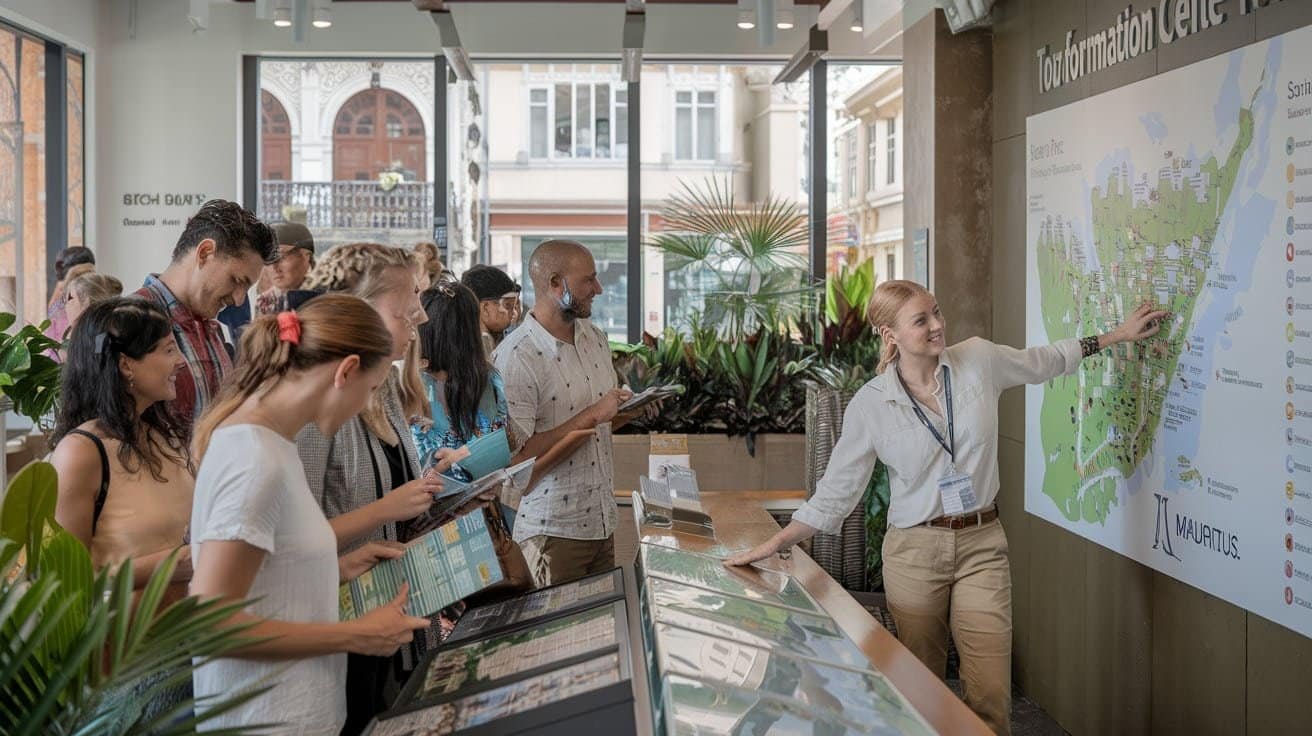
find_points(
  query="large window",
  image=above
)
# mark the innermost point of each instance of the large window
(33, 136)
(590, 119)
(537, 151)
(719, 139)
(346, 147)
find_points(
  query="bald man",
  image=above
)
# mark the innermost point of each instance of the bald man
(558, 378)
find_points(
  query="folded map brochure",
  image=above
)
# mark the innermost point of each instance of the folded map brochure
(488, 453)
(479, 457)
(443, 566)
(648, 395)
(456, 494)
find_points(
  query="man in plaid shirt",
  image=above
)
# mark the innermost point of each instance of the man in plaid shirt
(215, 261)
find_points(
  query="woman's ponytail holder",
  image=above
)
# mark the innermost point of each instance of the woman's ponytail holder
(289, 327)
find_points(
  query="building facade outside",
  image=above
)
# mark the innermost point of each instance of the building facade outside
(539, 150)
(866, 205)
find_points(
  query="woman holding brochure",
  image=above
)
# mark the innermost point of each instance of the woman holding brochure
(365, 474)
(258, 534)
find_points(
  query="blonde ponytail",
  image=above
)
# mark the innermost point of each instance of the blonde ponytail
(885, 303)
(332, 327)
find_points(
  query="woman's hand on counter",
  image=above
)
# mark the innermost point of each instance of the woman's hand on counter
(782, 541)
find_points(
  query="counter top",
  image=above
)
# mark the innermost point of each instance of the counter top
(740, 523)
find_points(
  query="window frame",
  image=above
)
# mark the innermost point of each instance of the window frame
(549, 86)
(890, 135)
(872, 156)
(54, 138)
(694, 106)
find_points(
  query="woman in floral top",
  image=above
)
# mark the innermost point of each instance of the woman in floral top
(465, 396)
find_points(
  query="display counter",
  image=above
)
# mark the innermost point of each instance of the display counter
(676, 643)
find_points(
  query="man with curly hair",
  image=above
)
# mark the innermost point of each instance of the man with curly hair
(218, 256)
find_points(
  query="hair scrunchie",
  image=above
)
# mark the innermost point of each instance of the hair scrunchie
(289, 327)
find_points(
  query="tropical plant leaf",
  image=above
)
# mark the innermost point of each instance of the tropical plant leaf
(28, 505)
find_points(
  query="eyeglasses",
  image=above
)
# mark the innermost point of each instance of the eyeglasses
(509, 303)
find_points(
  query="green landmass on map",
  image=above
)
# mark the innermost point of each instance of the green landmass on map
(1098, 424)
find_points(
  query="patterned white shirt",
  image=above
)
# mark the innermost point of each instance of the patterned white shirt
(547, 382)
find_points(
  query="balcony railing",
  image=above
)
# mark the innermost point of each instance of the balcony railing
(350, 204)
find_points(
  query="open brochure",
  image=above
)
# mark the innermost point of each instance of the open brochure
(456, 494)
(443, 566)
(479, 457)
(650, 394)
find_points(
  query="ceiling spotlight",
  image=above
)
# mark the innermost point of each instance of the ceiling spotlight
(323, 18)
(282, 17)
(858, 18)
(783, 20)
(745, 20)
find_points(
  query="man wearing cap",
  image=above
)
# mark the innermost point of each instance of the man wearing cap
(295, 259)
(498, 302)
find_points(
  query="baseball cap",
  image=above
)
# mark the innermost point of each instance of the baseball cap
(295, 234)
(488, 282)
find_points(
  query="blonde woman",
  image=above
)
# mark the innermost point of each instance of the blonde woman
(366, 476)
(257, 532)
(931, 414)
(87, 290)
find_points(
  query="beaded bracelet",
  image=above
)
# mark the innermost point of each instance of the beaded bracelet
(1088, 346)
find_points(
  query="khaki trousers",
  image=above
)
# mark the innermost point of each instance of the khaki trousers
(959, 580)
(555, 560)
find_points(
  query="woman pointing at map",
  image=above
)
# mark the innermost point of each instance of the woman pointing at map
(931, 415)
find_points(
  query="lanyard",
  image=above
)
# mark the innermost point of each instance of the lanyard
(951, 444)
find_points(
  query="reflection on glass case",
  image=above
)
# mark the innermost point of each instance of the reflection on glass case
(858, 696)
(692, 707)
(704, 571)
(749, 622)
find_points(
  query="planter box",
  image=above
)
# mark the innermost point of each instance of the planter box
(722, 462)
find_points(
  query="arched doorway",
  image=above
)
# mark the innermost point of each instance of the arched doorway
(275, 139)
(375, 130)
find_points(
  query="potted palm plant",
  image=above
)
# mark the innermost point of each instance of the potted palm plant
(80, 656)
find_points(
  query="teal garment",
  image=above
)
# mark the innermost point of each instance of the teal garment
(441, 432)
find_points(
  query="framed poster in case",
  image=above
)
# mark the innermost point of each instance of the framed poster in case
(749, 622)
(540, 604)
(705, 571)
(596, 689)
(474, 665)
(859, 696)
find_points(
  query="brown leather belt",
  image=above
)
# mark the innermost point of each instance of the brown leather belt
(965, 521)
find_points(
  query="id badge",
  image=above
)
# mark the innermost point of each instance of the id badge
(957, 493)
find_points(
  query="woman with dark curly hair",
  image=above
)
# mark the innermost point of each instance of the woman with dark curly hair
(125, 470)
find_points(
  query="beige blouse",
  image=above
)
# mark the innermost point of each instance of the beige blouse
(141, 515)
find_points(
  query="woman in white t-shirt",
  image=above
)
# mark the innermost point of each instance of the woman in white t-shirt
(258, 534)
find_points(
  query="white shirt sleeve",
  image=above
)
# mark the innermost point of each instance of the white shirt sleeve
(848, 473)
(245, 498)
(1013, 367)
(520, 385)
